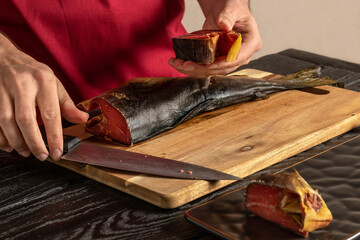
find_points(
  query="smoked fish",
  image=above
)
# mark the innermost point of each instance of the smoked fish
(145, 107)
(289, 201)
(205, 45)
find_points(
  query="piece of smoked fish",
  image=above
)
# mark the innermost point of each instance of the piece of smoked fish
(204, 46)
(289, 201)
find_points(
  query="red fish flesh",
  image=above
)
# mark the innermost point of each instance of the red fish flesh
(288, 200)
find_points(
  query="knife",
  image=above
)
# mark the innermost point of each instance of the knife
(97, 155)
(77, 151)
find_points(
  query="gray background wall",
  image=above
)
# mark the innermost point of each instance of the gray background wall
(326, 27)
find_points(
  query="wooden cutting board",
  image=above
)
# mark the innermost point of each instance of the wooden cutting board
(239, 140)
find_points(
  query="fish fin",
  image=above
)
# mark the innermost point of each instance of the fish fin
(261, 96)
(204, 106)
(308, 72)
(308, 78)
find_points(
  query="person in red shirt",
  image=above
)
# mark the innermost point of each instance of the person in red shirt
(53, 53)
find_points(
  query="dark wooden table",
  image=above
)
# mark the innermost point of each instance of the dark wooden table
(39, 200)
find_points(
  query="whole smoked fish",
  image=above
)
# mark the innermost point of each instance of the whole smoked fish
(145, 107)
(288, 200)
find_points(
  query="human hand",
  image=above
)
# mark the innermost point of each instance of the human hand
(225, 15)
(26, 84)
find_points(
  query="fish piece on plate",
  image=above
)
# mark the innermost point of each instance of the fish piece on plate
(145, 107)
(288, 200)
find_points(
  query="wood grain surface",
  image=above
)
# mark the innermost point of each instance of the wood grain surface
(239, 140)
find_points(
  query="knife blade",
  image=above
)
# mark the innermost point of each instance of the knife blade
(97, 155)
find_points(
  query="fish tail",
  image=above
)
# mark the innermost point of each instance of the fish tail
(308, 78)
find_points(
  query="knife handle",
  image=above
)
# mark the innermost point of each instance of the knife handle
(69, 142)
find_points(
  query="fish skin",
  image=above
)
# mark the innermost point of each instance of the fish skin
(202, 51)
(151, 106)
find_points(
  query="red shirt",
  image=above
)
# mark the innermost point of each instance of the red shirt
(96, 45)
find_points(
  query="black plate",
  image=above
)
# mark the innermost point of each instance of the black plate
(335, 173)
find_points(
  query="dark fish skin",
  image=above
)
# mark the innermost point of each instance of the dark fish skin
(203, 46)
(198, 50)
(153, 105)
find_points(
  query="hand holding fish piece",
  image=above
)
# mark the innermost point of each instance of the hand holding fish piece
(226, 15)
